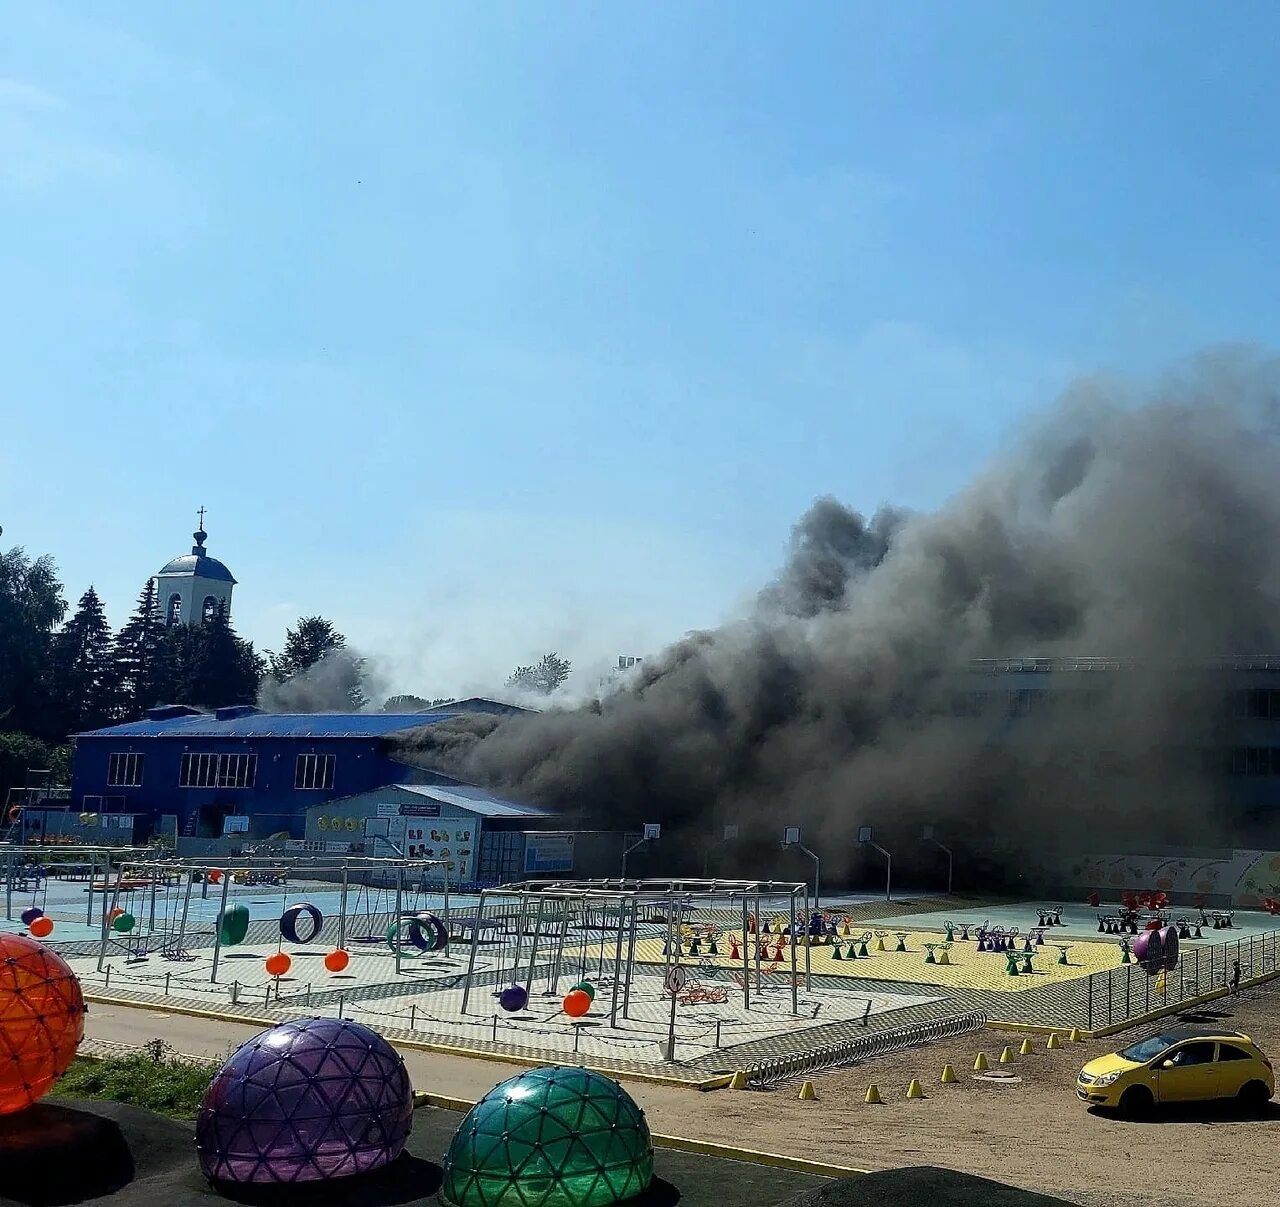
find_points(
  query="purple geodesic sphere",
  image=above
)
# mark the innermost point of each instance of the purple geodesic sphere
(306, 1101)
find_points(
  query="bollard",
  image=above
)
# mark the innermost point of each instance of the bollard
(739, 1080)
(807, 1093)
(915, 1089)
(341, 1003)
(413, 1015)
(107, 985)
(266, 1001)
(873, 1095)
(717, 1033)
(308, 1001)
(577, 1035)
(948, 1075)
(235, 992)
(1026, 1048)
(495, 1028)
(980, 1064)
(166, 984)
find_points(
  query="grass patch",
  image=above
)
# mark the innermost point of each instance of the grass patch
(158, 1081)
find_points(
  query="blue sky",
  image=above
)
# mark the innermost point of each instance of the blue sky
(485, 329)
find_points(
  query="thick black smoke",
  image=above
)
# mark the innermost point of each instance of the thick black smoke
(1138, 528)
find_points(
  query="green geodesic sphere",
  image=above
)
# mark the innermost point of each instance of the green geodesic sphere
(552, 1137)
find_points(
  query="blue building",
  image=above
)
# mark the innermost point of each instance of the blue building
(241, 771)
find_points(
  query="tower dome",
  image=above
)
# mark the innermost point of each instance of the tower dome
(194, 587)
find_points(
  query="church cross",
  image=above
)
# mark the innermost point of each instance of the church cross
(201, 515)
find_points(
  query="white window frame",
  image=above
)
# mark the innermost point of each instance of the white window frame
(314, 772)
(124, 769)
(199, 770)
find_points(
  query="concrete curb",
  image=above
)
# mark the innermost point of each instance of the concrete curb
(701, 1148)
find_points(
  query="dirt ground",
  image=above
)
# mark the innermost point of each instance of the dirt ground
(1032, 1133)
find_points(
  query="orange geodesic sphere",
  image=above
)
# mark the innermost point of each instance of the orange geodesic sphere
(41, 1020)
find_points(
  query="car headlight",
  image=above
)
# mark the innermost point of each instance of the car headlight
(1109, 1078)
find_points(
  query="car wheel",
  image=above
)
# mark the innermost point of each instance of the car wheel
(1136, 1102)
(1254, 1095)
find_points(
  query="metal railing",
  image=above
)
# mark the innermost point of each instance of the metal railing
(778, 1070)
(1118, 995)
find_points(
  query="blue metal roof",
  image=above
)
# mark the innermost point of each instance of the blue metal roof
(273, 725)
(476, 800)
(202, 567)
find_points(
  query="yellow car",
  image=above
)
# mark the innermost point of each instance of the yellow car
(1178, 1065)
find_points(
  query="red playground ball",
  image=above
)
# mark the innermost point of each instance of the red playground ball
(278, 964)
(41, 1021)
(42, 928)
(337, 960)
(576, 1003)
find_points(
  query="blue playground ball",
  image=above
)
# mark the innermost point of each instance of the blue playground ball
(30, 915)
(513, 998)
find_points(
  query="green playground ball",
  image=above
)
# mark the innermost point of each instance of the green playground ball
(124, 923)
(587, 988)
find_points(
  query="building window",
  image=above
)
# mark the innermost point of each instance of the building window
(174, 614)
(124, 770)
(218, 771)
(210, 609)
(313, 771)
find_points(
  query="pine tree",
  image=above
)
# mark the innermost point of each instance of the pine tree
(212, 665)
(304, 645)
(82, 672)
(141, 657)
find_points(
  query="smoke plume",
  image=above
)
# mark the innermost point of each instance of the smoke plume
(341, 680)
(1139, 526)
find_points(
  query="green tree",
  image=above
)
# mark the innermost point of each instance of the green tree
(143, 668)
(411, 703)
(31, 604)
(20, 753)
(212, 665)
(304, 645)
(82, 675)
(543, 677)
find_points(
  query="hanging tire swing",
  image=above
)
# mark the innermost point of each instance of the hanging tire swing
(233, 925)
(423, 931)
(289, 923)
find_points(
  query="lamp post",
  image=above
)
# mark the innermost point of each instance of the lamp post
(928, 836)
(864, 839)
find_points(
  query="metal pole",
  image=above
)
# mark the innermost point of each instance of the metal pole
(399, 908)
(746, 959)
(8, 888)
(88, 908)
(617, 966)
(102, 947)
(808, 956)
(757, 944)
(186, 905)
(217, 929)
(795, 991)
(671, 1027)
(631, 959)
(446, 903)
(471, 959)
(817, 873)
(342, 909)
(533, 946)
(554, 986)
(151, 916)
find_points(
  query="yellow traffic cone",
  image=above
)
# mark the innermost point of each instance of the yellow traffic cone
(1026, 1048)
(948, 1075)
(739, 1081)
(915, 1089)
(1006, 1057)
(807, 1092)
(944, 959)
(873, 1095)
(980, 1064)
(1075, 1035)
(1054, 1042)
(879, 945)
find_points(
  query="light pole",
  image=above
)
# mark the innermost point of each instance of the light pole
(928, 836)
(864, 839)
(791, 838)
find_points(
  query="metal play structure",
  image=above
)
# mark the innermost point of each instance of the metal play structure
(25, 872)
(545, 911)
(149, 908)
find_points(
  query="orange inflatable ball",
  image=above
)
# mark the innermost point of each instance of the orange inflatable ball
(41, 1020)
(114, 914)
(336, 961)
(278, 964)
(576, 1003)
(42, 928)
(215, 876)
